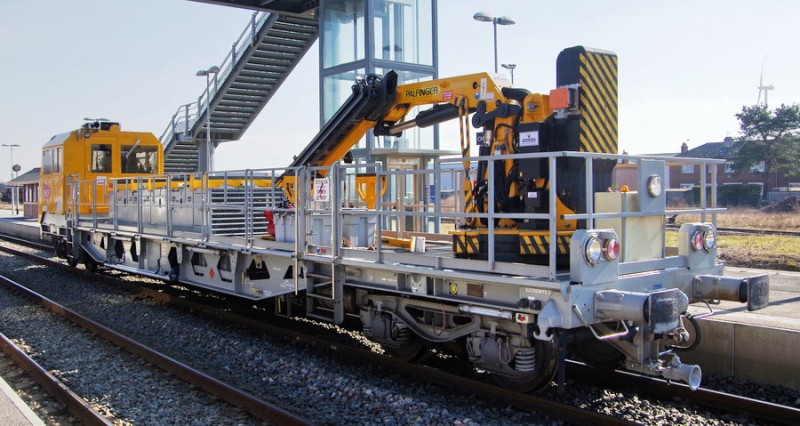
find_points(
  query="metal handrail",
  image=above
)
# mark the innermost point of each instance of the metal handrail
(245, 40)
(247, 202)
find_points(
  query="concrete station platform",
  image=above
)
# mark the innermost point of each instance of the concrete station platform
(13, 411)
(760, 346)
(17, 226)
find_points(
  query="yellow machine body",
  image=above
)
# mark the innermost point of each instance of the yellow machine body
(97, 152)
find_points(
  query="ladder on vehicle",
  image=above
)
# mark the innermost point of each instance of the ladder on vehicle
(324, 293)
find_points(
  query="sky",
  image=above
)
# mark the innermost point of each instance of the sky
(686, 67)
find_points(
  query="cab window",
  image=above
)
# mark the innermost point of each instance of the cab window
(101, 158)
(56, 165)
(47, 161)
(139, 159)
(51, 161)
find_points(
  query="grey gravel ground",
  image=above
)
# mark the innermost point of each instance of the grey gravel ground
(309, 381)
(119, 385)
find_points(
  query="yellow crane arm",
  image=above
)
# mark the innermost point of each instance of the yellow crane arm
(379, 103)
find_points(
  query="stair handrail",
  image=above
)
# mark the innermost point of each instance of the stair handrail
(246, 38)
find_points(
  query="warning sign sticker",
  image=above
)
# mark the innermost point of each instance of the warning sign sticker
(322, 190)
(529, 138)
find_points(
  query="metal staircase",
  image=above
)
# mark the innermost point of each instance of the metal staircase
(260, 60)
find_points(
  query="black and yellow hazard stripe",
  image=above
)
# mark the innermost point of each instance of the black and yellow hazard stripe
(463, 122)
(465, 243)
(598, 102)
(531, 244)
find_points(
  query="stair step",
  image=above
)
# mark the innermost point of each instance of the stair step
(239, 103)
(285, 42)
(281, 25)
(298, 20)
(262, 68)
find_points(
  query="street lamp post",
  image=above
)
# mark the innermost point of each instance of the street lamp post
(11, 157)
(503, 20)
(510, 67)
(207, 157)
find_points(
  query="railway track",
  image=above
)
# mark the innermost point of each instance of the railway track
(76, 405)
(753, 408)
(756, 409)
(258, 408)
(747, 231)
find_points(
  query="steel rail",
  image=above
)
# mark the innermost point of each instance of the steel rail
(254, 405)
(759, 231)
(456, 383)
(74, 403)
(21, 241)
(753, 408)
(746, 231)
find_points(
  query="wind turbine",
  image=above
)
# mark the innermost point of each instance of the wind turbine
(762, 88)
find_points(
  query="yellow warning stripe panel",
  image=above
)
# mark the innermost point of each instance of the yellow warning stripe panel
(497, 231)
(540, 244)
(598, 106)
(598, 111)
(593, 130)
(601, 138)
(602, 85)
(603, 82)
(602, 66)
(605, 73)
(529, 245)
(588, 145)
(601, 107)
(465, 244)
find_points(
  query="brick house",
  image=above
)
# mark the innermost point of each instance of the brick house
(686, 176)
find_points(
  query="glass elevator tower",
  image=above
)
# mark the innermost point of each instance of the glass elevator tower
(361, 37)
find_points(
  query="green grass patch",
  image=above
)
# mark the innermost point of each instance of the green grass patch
(755, 251)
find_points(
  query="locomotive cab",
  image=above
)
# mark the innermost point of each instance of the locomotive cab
(77, 167)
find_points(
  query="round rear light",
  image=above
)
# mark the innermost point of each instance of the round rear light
(709, 240)
(611, 249)
(592, 250)
(697, 240)
(655, 186)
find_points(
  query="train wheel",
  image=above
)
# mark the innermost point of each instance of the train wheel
(60, 247)
(599, 355)
(408, 352)
(536, 366)
(71, 261)
(89, 263)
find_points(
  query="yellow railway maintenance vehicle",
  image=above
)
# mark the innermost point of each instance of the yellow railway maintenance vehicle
(99, 151)
(543, 260)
